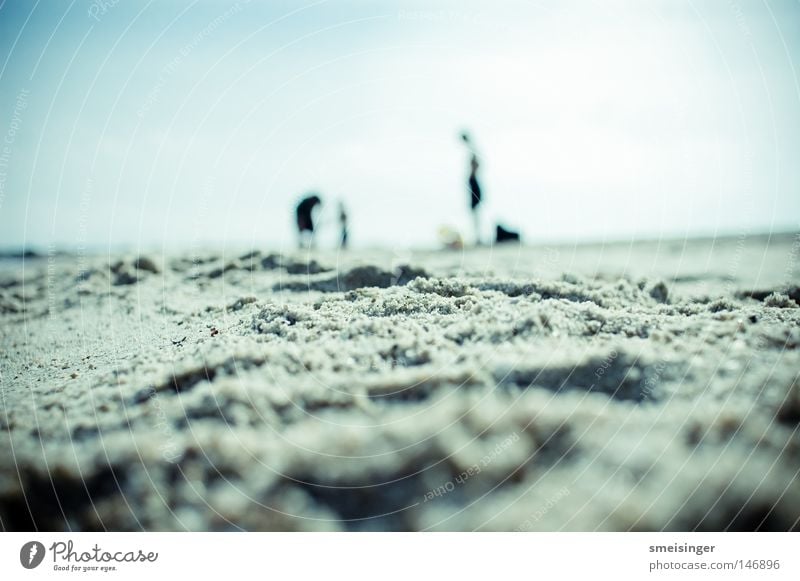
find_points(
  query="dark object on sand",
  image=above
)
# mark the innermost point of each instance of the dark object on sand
(305, 222)
(504, 235)
(793, 292)
(19, 254)
(357, 278)
(147, 264)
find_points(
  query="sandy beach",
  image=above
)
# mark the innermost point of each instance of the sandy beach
(621, 386)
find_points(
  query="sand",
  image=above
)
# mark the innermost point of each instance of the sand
(627, 386)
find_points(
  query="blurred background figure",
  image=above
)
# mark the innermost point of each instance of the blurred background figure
(343, 225)
(473, 187)
(450, 238)
(305, 221)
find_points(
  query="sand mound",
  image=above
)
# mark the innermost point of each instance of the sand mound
(454, 392)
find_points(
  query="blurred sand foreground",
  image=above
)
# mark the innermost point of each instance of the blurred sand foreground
(641, 386)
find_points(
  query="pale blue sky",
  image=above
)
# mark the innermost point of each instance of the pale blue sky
(193, 123)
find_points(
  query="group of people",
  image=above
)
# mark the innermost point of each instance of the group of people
(305, 209)
(305, 221)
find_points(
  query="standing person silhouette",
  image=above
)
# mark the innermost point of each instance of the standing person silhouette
(473, 187)
(305, 221)
(345, 234)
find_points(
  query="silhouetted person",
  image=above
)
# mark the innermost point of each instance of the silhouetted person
(473, 187)
(305, 221)
(343, 225)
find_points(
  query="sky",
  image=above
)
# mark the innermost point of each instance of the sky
(126, 123)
